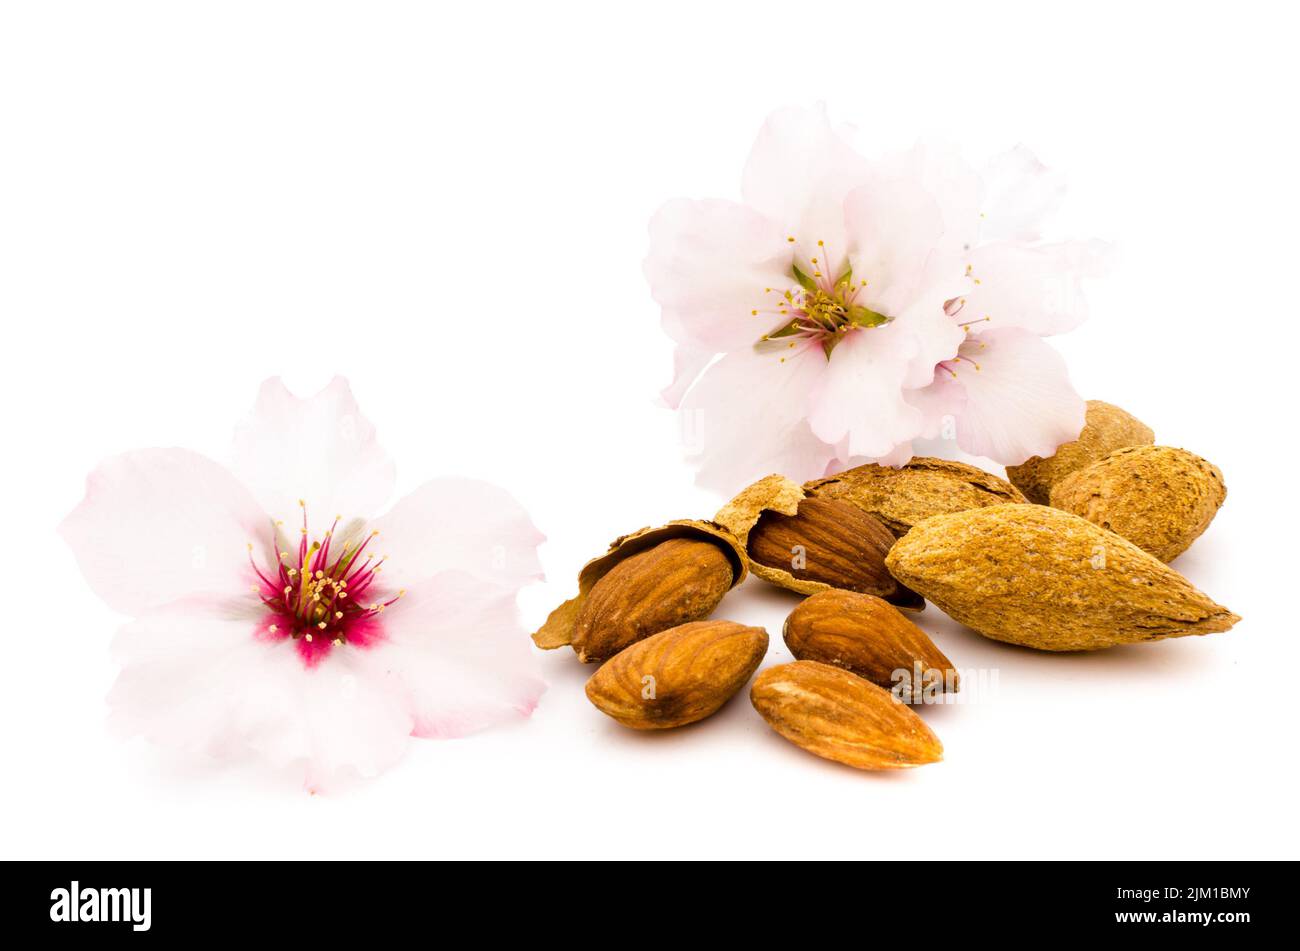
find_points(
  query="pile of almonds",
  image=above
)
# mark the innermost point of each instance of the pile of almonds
(1069, 553)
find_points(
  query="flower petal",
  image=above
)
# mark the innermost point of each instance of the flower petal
(462, 524)
(709, 265)
(1019, 403)
(798, 174)
(1033, 287)
(941, 403)
(956, 187)
(196, 678)
(861, 394)
(1021, 194)
(456, 650)
(320, 449)
(895, 226)
(744, 419)
(906, 256)
(688, 364)
(935, 334)
(159, 524)
(898, 457)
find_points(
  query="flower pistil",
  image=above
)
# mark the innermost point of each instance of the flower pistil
(819, 308)
(318, 593)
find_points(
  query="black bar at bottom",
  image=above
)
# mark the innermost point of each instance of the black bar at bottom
(906, 900)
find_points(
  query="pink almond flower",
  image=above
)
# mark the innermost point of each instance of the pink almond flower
(845, 307)
(274, 614)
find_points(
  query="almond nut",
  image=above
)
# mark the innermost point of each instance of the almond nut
(665, 586)
(676, 581)
(1159, 498)
(1047, 579)
(833, 714)
(830, 542)
(678, 676)
(1107, 428)
(811, 546)
(868, 637)
(851, 545)
(902, 497)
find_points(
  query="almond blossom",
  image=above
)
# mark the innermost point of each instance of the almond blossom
(277, 614)
(847, 307)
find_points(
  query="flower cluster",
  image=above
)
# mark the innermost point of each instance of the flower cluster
(849, 307)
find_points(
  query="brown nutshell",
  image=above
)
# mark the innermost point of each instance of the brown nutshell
(678, 676)
(830, 542)
(869, 637)
(676, 581)
(901, 497)
(1043, 578)
(1106, 429)
(1159, 498)
(838, 716)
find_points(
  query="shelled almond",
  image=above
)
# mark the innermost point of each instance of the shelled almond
(866, 636)
(678, 676)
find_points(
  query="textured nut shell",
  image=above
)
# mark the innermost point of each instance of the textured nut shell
(925, 486)
(559, 626)
(776, 493)
(1047, 579)
(1107, 428)
(695, 667)
(1159, 498)
(833, 714)
(676, 581)
(865, 635)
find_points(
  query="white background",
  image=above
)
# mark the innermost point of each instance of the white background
(447, 203)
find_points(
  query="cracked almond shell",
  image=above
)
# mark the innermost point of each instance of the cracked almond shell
(923, 487)
(1047, 579)
(841, 547)
(1106, 429)
(1159, 498)
(684, 600)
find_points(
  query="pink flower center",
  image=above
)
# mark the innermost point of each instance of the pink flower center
(819, 307)
(322, 595)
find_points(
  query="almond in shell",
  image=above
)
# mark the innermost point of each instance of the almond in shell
(901, 497)
(812, 545)
(1106, 429)
(647, 582)
(1159, 498)
(1047, 579)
